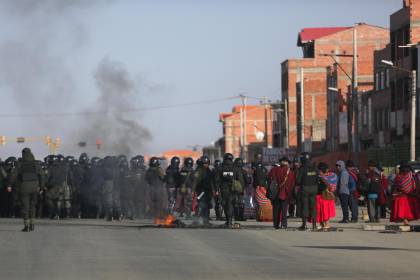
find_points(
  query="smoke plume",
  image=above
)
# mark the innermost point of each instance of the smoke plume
(42, 40)
(121, 133)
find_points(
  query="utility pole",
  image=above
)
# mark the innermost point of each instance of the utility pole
(265, 121)
(286, 115)
(355, 103)
(302, 109)
(243, 128)
(413, 115)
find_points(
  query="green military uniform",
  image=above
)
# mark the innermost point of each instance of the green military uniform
(203, 187)
(156, 193)
(184, 186)
(308, 180)
(29, 177)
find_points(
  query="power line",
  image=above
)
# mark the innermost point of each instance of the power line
(133, 110)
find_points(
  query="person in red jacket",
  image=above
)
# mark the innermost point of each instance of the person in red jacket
(285, 179)
(405, 206)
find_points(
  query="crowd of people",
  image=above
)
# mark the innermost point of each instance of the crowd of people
(117, 188)
(310, 191)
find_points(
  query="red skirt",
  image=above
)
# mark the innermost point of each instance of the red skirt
(325, 209)
(404, 207)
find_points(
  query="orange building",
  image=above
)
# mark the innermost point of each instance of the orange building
(182, 154)
(246, 126)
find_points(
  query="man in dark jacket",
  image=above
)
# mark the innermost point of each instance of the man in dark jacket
(29, 177)
(374, 188)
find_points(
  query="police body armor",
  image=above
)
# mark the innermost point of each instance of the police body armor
(310, 180)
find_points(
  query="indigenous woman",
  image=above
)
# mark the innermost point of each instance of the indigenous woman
(325, 200)
(405, 206)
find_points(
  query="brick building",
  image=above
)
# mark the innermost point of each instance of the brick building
(249, 121)
(386, 113)
(308, 128)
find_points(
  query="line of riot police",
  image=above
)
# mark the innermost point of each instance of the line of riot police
(115, 188)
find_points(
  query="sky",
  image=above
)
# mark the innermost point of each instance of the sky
(154, 54)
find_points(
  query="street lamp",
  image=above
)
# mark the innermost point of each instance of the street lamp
(413, 104)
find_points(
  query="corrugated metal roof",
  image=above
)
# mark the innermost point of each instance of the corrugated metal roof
(310, 34)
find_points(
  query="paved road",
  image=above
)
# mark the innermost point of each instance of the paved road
(97, 250)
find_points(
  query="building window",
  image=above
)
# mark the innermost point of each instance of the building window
(393, 97)
(380, 120)
(393, 43)
(365, 115)
(386, 119)
(382, 80)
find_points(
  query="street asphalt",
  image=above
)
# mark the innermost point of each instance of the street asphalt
(95, 249)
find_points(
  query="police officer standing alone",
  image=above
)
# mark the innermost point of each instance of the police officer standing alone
(308, 180)
(29, 177)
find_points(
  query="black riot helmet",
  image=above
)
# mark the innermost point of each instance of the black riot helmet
(69, 158)
(121, 158)
(217, 163)
(154, 162)
(140, 160)
(123, 164)
(83, 159)
(205, 160)
(61, 158)
(239, 162)
(305, 158)
(49, 159)
(94, 161)
(175, 161)
(198, 162)
(10, 162)
(189, 162)
(228, 157)
(134, 162)
(74, 163)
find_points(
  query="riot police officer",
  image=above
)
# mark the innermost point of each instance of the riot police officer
(239, 207)
(203, 187)
(127, 189)
(216, 195)
(227, 177)
(184, 186)
(28, 175)
(9, 193)
(58, 194)
(172, 172)
(83, 170)
(308, 180)
(138, 170)
(155, 188)
(259, 176)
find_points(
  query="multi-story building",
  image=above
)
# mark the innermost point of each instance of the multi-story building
(327, 63)
(247, 126)
(386, 114)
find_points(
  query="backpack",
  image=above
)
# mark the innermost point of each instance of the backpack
(352, 184)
